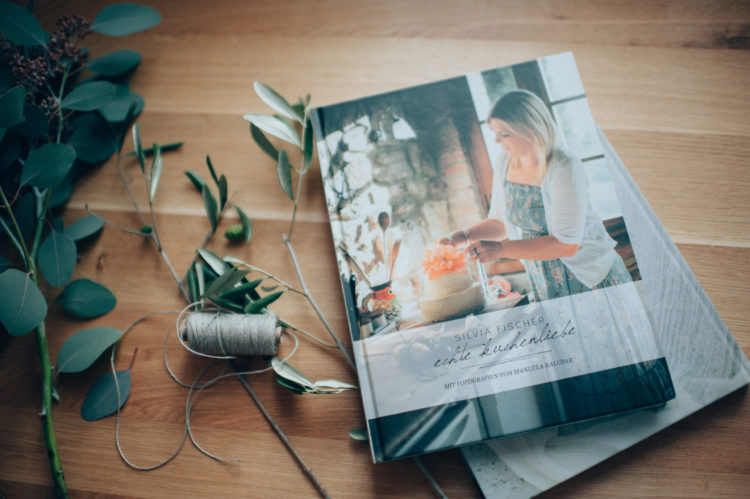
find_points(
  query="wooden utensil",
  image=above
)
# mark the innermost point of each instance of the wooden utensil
(394, 255)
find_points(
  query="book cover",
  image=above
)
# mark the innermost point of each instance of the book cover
(705, 361)
(490, 283)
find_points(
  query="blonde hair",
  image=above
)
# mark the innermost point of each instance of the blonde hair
(528, 116)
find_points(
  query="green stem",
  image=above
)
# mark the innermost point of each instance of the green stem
(58, 477)
(59, 104)
(39, 227)
(21, 242)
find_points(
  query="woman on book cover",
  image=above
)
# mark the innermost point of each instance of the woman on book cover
(540, 211)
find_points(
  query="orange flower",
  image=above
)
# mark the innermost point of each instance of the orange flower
(441, 260)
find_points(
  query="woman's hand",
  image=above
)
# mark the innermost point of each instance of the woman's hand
(455, 238)
(486, 251)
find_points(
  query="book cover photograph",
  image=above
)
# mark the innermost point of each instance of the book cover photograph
(490, 282)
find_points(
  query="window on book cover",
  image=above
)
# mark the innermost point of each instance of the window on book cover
(577, 127)
(561, 77)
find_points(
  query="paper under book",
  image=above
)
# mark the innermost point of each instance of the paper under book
(451, 351)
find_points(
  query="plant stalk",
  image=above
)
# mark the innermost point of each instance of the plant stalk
(58, 477)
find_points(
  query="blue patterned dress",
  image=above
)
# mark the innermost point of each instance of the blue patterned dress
(549, 278)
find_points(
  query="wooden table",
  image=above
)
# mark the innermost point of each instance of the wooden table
(667, 82)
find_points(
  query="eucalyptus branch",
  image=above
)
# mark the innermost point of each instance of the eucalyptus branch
(39, 226)
(307, 334)
(58, 101)
(314, 305)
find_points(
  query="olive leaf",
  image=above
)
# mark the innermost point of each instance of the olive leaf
(263, 142)
(258, 305)
(156, 169)
(192, 282)
(57, 258)
(23, 306)
(226, 281)
(20, 26)
(307, 148)
(84, 227)
(115, 63)
(222, 191)
(211, 169)
(213, 261)
(164, 148)
(86, 299)
(284, 370)
(275, 101)
(47, 165)
(12, 106)
(136, 131)
(209, 201)
(84, 347)
(247, 226)
(241, 290)
(102, 398)
(284, 172)
(359, 434)
(334, 386)
(274, 126)
(89, 96)
(123, 19)
(196, 179)
(291, 386)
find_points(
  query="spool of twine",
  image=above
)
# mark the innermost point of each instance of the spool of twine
(231, 334)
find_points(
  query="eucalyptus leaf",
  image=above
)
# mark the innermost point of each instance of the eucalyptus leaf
(89, 96)
(62, 191)
(209, 201)
(286, 371)
(57, 258)
(12, 106)
(274, 126)
(84, 227)
(225, 281)
(123, 19)
(136, 132)
(102, 399)
(156, 168)
(86, 299)
(9, 151)
(93, 139)
(275, 101)
(359, 434)
(4, 264)
(263, 142)
(196, 179)
(247, 226)
(258, 305)
(115, 63)
(284, 172)
(222, 191)
(23, 306)
(307, 149)
(216, 264)
(211, 169)
(84, 347)
(124, 103)
(47, 165)
(35, 125)
(20, 26)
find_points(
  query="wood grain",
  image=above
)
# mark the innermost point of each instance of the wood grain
(667, 82)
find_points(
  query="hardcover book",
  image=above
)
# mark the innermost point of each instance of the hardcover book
(490, 282)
